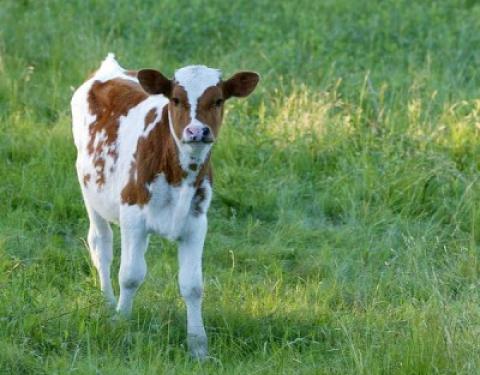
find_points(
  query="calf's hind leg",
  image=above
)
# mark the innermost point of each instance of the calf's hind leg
(100, 242)
(133, 267)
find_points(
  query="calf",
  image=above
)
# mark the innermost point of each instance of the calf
(144, 143)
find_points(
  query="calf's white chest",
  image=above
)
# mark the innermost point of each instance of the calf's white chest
(170, 207)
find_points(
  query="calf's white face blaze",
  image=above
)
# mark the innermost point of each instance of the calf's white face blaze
(144, 144)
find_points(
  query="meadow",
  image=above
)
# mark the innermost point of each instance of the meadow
(344, 232)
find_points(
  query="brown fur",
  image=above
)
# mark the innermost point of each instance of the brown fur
(207, 110)
(86, 179)
(155, 154)
(241, 84)
(180, 112)
(206, 172)
(150, 117)
(108, 101)
(198, 199)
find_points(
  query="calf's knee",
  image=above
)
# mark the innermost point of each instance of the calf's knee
(131, 279)
(191, 291)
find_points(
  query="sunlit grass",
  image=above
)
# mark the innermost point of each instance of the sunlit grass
(344, 229)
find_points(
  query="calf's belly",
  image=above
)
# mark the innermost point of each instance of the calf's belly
(105, 203)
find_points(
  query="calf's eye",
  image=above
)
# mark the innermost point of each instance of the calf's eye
(175, 101)
(218, 102)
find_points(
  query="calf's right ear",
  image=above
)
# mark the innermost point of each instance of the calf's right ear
(240, 84)
(154, 82)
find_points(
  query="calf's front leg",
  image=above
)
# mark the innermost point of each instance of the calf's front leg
(191, 283)
(133, 267)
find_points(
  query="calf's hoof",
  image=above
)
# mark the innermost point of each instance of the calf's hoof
(197, 346)
(117, 321)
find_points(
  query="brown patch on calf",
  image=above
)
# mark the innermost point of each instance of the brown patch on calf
(179, 110)
(200, 194)
(210, 108)
(205, 171)
(86, 179)
(150, 117)
(99, 164)
(198, 199)
(108, 101)
(157, 154)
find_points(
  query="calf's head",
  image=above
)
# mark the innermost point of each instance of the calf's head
(196, 98)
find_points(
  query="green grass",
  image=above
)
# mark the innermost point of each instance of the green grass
(345, 228)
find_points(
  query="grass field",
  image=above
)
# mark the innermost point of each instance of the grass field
(345, 228)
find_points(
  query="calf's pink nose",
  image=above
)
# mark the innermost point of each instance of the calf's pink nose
(197, 133)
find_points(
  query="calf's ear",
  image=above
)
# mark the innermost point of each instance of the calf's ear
(154, 82)
(241, 84)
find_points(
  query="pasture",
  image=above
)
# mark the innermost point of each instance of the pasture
(344, 231)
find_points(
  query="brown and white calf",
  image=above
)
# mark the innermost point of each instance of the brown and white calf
(144, 144)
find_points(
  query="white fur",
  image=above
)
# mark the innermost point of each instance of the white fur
(195, 79)
(110, 69)
(168, 213)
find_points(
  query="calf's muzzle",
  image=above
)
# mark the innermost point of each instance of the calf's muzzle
(196, 133)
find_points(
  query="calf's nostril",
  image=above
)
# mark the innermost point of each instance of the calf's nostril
(206, 131)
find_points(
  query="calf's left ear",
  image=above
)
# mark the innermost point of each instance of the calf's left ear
(241, 84)
(154, 82)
